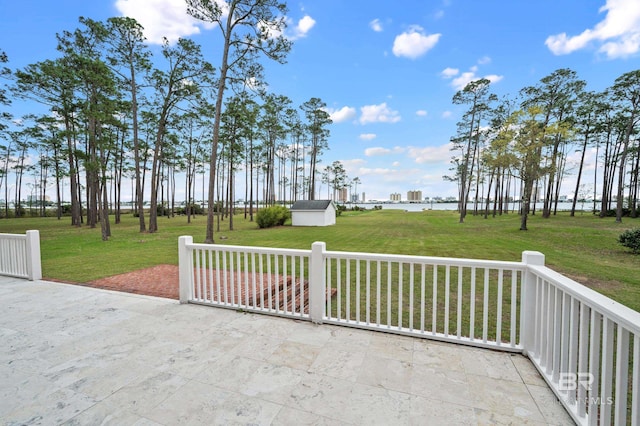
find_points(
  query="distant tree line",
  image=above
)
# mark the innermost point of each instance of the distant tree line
(505, 147)
(115, 111)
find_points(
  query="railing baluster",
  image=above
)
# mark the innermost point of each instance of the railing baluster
(328, 286)
(459, 304)
(400, 295)
(423, 296)
(594, 366)
(358, 284)
(583, 358)
(411, 284)
(378, 291)
(607, 370)
(339, 287)
(635, 380)
(367, 302)
(389, 285)
(348, 290)
(514, 305)
(447, 291)
(434, 312)
(485, 307)
(622, 376)
(472, 305)
(499, 307)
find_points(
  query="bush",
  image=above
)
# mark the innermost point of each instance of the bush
(631, 239)
(272, 216)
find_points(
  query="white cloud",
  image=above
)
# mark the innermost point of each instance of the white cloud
(378, 114)
(484, 60)
(378, 151)
(618, 33)
(396, 164)
(449, 72)
(303, 27)
(367, 136)
(430, 154)
(414, 43)
(376, 25)
(421, 113)
(462, 79)
(162, 18)
(447, 114)
(343, 114)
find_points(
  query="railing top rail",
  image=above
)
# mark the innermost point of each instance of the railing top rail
(480, 263)
(618, 312)
(13, 236)
(249, 249)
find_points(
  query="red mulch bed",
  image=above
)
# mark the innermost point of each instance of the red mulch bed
(163, 281)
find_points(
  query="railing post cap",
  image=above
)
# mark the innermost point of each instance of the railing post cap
(532, 257)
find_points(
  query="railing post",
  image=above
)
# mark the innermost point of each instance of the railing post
(528, 302)
(185, 265)
(317, 291)
(34, 265)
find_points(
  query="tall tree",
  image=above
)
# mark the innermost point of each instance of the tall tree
(477, 96)
(185, 73)
(249, 28)
(626, 90)
(52, 84)
(556, 95)
(317, 121)
(129, 57)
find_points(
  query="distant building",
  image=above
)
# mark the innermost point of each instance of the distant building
(395, 197)
(343, 195)
(414, 196)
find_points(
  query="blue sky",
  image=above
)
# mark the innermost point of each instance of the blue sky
(387, 70)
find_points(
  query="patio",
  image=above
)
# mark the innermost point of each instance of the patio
(79, 355)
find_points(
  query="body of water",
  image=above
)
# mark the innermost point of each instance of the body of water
(417, 207)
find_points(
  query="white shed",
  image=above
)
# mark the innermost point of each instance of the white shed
(313, 213)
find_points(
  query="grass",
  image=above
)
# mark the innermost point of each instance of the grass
(583, 247)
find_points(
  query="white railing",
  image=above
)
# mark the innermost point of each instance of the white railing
(20, 255)
(585, 345)
(255, 279)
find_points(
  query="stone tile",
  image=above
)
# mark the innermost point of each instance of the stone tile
(78, 355)
(551, 408)
(492, 418)
(310, 334)
(390, 346)
(504, 397)
(294, 355)
(485, 362)
(370, 405)
(144, 395)
(338, 364)
(290, 416)
(527, 371)
(198, 403)
(107, 415)
(441, 384)
(322, 395)
(256, 347)
(49, 408)
(386, 373)
(438, 355)
(433, 412)
(272, 383)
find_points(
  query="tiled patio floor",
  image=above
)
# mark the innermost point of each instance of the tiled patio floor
(84, 356)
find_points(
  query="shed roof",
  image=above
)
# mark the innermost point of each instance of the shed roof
(311, 205)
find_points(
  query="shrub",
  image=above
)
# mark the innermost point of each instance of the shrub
(631, 239)
(272, 216)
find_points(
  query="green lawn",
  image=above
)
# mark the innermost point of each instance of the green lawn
(584, 247)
